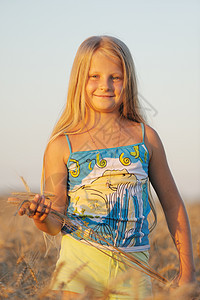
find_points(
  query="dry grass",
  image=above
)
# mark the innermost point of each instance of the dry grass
(164, 257)
(26, 267)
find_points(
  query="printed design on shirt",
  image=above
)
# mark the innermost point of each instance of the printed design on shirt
(124, 160)
(90, 163)
(108, 195)
(136, 152)
(101, 163)
(75, 171)
(74, 166)
(145, 156)
(113, 204)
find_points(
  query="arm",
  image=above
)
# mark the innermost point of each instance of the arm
(172, 204)
(55, 157)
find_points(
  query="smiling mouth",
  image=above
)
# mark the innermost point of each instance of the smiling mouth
(104, 96)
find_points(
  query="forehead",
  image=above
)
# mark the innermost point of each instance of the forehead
(101, 59)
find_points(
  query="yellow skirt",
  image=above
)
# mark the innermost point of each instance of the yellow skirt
(83, 269)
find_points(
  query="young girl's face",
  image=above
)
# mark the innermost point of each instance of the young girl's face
(104, 88)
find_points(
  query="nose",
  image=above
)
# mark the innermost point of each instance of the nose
(105, 84)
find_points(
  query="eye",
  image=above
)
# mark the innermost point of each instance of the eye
(93, 76)
(116, 77)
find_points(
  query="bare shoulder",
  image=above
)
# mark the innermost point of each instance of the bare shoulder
(58, 149)
(152, 140)
(151, 134)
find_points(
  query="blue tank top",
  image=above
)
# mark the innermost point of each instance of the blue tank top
(108, 193)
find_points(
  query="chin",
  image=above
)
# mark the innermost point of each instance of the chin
(108, 109)
(105, 110)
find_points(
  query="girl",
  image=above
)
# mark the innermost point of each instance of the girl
(97, 164)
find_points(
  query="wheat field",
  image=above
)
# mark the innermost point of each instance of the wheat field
(27, 262)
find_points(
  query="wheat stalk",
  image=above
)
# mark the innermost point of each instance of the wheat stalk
(21, 276)
(22, 273)
(5, 290)
(80, 228)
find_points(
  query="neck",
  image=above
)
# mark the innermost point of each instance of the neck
(95, 119)
(104, 129)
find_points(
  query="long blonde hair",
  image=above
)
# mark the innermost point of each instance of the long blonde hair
(74, 114)
(75, 109)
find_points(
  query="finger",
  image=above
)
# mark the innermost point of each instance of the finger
(34, 205)
(41, 205)
(42, 209)
(45, 212)
(22, 211)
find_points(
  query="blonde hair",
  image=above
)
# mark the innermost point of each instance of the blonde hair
(75, 110)
(73, 116)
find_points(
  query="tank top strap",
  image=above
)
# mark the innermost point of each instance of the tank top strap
(69, 144)
(142, 125)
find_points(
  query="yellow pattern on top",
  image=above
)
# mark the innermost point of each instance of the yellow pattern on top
(124, 161)
(136, 153)
(101, 163)
(75, 172)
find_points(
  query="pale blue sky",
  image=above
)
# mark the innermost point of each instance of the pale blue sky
(39, 39)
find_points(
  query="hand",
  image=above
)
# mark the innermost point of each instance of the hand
(37, 209)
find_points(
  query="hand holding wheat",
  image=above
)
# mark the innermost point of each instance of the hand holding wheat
(38, 208)
(33, 205)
